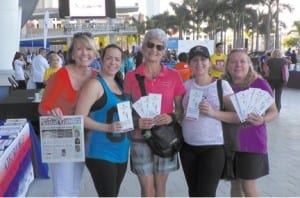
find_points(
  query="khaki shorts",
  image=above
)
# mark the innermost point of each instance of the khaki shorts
(144, 162)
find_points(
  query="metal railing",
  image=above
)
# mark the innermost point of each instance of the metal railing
(69, 29)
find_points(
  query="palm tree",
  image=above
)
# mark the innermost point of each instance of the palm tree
(140, 25)
(279, 8)
(183, 16)
(296, 25)
(164, 21)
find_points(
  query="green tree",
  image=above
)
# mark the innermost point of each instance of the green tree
(183, 16)
(140, 25)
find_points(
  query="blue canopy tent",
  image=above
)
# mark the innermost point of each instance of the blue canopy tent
(172, 43)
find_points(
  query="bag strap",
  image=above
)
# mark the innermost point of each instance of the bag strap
(220, 94)
(140, 80)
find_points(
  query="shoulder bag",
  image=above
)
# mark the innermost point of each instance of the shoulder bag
(164, 140)
(229, 167)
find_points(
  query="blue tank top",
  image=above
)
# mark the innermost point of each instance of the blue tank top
(112, 147)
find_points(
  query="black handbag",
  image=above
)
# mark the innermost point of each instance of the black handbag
(229, 167)
(164, 140)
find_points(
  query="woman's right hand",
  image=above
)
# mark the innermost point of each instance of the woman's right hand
(115, 127)
(57, 112)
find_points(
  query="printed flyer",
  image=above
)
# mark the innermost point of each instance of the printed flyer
(62, 140)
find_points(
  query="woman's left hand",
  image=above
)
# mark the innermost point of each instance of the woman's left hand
(255, 119)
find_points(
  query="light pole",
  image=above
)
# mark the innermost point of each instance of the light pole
(277, 38)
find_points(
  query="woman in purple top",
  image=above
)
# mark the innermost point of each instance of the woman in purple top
(251, 158)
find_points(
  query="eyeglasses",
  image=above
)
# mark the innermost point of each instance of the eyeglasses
(152, 45)
(78, 34)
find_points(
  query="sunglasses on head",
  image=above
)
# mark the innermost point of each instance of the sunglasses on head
(152, 45)
(79, 34)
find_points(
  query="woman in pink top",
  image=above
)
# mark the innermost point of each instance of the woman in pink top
(152, 170)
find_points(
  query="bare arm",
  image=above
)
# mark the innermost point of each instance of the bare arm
(226, 116)
(89, 94)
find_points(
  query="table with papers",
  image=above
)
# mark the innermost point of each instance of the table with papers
(20, 158)
(16, 170)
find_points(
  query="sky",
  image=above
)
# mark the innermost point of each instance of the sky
(287, 17)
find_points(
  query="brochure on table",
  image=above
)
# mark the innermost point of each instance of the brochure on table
(16, 169)
(62, 140)
(9, 131)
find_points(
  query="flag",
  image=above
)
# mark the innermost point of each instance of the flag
(46, 23)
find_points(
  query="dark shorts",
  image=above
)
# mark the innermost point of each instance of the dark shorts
(144, 162)
(251, 165)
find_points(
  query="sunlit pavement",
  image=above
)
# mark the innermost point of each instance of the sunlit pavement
(284, 156)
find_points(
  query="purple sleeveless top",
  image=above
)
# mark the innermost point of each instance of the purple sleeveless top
(251, 138)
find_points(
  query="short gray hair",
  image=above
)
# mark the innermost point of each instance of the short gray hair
(155, 33)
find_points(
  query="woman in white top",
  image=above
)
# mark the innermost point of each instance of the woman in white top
(19, 65)
(202, 155)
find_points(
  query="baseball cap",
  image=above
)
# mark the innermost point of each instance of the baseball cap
(198, 50)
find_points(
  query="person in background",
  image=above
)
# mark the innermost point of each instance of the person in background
(62, 58)
(263, 61)
(128, 62)
(138, 58)
(28, 59)
(19, 65)
(202, 155)
(96, 64)
(59, 99)
(218, 60)
(107, 146)
(54, 61)
(251, 156)
(39, 66)
(152, 170)
(294, 57)
(288, 53)
(273, 73)
(182, 67)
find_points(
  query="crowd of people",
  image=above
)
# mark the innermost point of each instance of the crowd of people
(92, 84)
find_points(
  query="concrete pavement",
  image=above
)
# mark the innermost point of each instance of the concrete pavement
(284, 156)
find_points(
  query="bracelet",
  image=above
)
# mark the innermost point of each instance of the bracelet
(174, 117)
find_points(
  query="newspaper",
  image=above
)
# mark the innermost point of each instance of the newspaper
(62, 140)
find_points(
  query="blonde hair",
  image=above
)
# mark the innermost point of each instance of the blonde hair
(85, 38)
(276, 53)
(251, 75)
(53, 56)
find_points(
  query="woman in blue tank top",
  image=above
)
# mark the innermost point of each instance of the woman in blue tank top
(106, 145)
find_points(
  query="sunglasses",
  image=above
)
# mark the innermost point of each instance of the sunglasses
(79, 34)
(152, 45)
